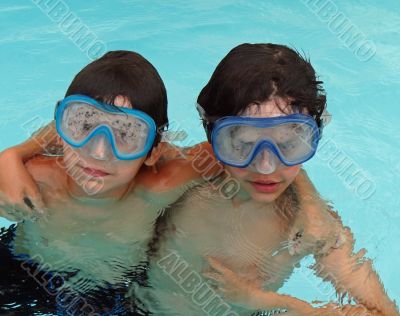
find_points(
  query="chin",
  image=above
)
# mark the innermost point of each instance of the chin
(264, 197)
(95, 188)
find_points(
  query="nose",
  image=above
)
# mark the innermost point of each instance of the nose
(265, 155)
(265, 162)
(100, 148)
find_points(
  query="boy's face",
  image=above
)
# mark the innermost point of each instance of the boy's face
(100, 173)
(265, 187)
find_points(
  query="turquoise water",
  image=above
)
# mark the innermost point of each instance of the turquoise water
(185, 41)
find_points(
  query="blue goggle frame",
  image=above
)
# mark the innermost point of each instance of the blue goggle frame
(104, 129)
(265, 143)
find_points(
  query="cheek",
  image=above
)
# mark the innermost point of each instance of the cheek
(238, 173)
(126, 170)
(290, 173)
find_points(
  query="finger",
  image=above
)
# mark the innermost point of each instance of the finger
(213, 281)
(19, 211)
(217, 265)
(28, 203)
(35, 202)
(34, 213)
(213, 276)
(35, 205)
(221, 268)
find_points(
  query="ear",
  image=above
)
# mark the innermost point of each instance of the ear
(56, 146)
(154, 156)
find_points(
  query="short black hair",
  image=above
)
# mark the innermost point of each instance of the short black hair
(128, 74)
(253, 73)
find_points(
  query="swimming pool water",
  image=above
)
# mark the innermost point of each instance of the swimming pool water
(185, 41)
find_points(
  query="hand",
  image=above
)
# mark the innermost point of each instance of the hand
(231, 286)
(334, 309)
(19, 194)
(251, 295)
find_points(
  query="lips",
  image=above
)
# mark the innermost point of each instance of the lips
(96, 173)
(265, 186)
(265, 181)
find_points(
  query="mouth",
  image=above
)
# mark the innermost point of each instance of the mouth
(95, 173)
(265, 186)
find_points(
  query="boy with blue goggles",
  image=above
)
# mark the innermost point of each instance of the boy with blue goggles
(83, 122)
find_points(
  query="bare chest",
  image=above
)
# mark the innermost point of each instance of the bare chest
(252, 242)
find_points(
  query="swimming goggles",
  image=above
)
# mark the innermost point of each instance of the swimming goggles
(84, 123)
(263, 143)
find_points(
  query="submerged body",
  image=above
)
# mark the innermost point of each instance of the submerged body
(255, 240)
(260, 243)
(101, 237)
(96, 245)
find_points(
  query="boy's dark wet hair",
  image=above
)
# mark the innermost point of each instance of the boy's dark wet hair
(128, 74)
(253, 73)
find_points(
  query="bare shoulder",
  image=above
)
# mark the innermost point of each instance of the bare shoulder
(171, 175)
(47, 171)
(179, 167)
